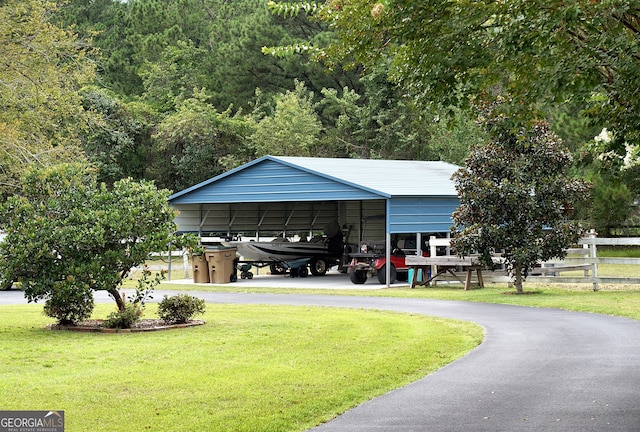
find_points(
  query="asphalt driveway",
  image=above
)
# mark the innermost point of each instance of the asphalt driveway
(537, 370)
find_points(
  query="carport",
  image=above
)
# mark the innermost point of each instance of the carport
(370, 199)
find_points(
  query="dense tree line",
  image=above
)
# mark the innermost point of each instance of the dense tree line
(571, 64)
(176, 91)
(181, 91)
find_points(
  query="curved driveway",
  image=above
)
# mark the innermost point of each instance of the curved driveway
(537, 370)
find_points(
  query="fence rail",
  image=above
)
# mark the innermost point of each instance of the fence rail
(550, 271)
(181, 257)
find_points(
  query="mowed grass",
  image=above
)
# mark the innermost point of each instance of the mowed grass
(249, 368)
(615, 300)
(611, 299)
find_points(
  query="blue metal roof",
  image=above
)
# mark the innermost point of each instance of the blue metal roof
(276, 179)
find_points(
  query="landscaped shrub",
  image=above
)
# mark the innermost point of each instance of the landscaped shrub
(69, 304)
(179, 309)
(122, 319)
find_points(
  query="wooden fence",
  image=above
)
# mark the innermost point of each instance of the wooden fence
(584, 259)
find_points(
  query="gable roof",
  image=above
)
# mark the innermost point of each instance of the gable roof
(280, 178)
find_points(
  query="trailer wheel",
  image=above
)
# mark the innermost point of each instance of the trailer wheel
(277, 269)
(303, 272)
(358, 277)
(318, 267)
(382, 274)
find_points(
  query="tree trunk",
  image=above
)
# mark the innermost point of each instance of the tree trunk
(120, 301)
(518, 277)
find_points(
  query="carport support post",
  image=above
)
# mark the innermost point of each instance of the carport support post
(387, 267)
(387, 229)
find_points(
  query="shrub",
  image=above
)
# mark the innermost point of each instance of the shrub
(124, 318)
(69, 304)
(65, 229)
(180, 308)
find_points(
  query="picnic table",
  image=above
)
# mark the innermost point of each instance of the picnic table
(445, 265)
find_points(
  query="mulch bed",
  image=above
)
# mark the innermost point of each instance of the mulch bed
(144, 325)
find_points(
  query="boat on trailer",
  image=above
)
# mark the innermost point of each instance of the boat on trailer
(279, 250)
(321, 252)
(280, 253)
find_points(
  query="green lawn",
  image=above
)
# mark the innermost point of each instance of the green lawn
(249, 368)
(252, 368)
(610, 300)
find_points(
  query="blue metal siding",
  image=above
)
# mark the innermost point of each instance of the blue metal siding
(273, 181)
(421, 214)
(270, 181)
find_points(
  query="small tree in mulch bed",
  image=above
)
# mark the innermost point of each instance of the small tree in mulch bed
(68, 235)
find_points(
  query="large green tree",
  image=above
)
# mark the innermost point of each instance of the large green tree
(197, 142)
(68, 235)
(517, 199)
(162, 49)
(118, 141)
(42, 69)
(292, 130)
(451, 52)
(546, 58)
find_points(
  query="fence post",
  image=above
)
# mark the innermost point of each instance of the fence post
(593, 253)
(185, 262)
(433, 251)
(169, 265)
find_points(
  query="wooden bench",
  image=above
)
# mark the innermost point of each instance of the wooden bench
(443, 265)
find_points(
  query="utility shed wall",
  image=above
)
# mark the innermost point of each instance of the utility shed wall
(421, 214)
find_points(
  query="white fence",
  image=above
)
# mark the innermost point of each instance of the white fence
(174, 258)
(583, 259)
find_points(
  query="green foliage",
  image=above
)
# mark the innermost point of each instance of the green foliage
(69, 304)
(515, 198)
(181, 308)
(197, 142)
(116, 142)
(611, 205)
(66, 232)
(292, 130)
(125, 318)
(292, 9)
(452, 135)
(43, 68)
(173, 76)
(583, 55)
(451, 52)
(162, 50)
